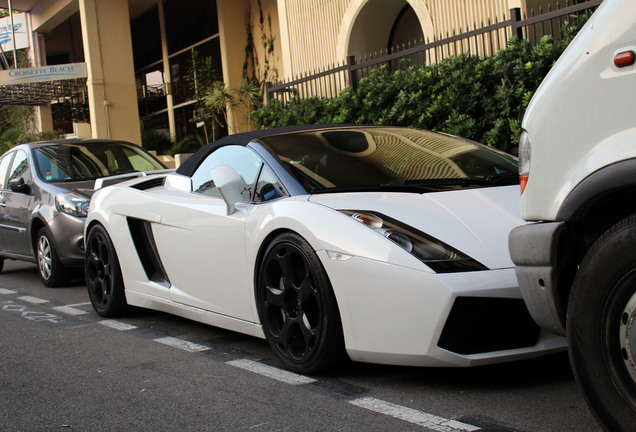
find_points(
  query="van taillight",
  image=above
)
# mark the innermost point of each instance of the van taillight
(624, 59)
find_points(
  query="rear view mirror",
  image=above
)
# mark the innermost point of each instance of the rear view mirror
(17, 184)
(229, 183)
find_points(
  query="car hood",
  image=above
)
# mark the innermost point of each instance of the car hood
(474, 221)
(84, 188)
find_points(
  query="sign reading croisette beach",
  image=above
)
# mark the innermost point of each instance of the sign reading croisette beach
(43, 73)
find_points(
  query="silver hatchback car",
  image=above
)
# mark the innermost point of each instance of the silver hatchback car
(45, 190)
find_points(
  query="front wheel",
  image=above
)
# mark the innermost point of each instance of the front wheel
(103, 275)
(50, 268)
(601, 327)
(298, 308)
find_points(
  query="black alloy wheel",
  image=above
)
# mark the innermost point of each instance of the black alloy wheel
(103, 275)
(601, 327)
(50, 268)
(298, 308)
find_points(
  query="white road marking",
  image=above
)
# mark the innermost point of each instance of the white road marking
(272, 372)
(117, 325)
(410, 415)
(79, 304)
(413, 416)
(33, 300)
(69, 310)
(182, 344)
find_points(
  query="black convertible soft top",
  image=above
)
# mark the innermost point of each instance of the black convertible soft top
(191, 164)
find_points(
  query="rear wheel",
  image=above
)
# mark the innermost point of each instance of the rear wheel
(103, 275)
(297, 307)
(52, 272)
(601, 327)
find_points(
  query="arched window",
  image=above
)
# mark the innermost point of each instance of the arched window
(381, 26)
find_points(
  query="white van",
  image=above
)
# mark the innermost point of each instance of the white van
(576, 265)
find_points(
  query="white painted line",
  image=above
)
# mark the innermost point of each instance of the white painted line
(69, 310)
(80, 304)
(413, 416)
(182, 344)
(272, 372)
(5, 291)
(33, 300)
(117, 325)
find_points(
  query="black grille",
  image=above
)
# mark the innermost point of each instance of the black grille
(483, 324)
(149, 184)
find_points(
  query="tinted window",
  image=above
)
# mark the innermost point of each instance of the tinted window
(4, 168)
(386, 156)
(195, 20)
(242, 159)
(86, 161)
(20, 167)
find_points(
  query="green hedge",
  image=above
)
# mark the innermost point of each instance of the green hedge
(480, 99)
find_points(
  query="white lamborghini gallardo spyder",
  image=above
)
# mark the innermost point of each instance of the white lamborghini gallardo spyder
(385, 244)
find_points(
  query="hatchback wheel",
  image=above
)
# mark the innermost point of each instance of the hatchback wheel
(51, 270)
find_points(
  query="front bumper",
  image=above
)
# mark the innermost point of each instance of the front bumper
(397, 315)
(533, 249)
(68, 235)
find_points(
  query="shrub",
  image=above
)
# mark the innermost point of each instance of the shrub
(156, 140)
(480, 99)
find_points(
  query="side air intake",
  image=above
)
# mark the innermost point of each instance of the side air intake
(141, 233)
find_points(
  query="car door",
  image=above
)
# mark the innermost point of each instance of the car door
(202, 248)
(17, 206)
(5, 164)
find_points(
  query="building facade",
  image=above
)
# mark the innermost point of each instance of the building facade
(140, 54)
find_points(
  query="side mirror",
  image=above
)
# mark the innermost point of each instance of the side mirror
(17, 184)
(229, 183)
(270, 192)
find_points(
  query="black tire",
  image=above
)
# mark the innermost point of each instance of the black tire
(50, 268)
(1, 264)
(298, 308)
(103, 274)
(601, 320)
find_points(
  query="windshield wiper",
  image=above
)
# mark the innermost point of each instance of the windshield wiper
(492, 180)
(508, 178)
(378, 188)
(78, 179)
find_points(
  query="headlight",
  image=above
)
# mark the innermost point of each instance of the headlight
(72, 204)
(434, 253)
(525, 151)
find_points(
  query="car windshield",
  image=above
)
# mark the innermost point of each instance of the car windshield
(92, 160)
(397, 158)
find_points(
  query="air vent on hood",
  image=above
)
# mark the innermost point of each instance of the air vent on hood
(149, 184)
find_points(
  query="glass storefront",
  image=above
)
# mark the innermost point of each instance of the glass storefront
(191, 25)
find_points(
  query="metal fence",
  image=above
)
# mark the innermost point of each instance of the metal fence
(484, 41)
